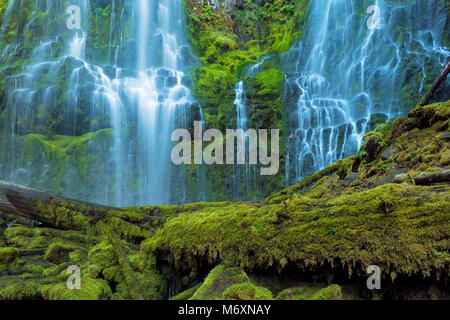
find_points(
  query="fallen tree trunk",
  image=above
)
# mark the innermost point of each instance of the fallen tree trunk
(132, 225)
(435, 86)
(27, 203)
(428, 178)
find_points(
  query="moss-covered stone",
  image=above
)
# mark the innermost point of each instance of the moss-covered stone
(247, 291)
(20, 290)
(8, 255)
(311, 292)
(91, 289)
(218, 280)
(58, 252)
(187, 294)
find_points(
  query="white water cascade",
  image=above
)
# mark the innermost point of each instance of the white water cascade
(346, 74)
(243, 176)
(139, 92)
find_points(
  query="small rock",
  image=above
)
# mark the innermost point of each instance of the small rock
(387, 154)
(156, 212)
(399, 178)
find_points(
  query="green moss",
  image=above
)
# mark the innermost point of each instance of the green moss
(227, 43)
(34, 269)
(218, 280)
(187, 294)
(20, 290)
(91, 289)
(247, 291)
(350, 219)
(269, 83)
(103, 255)
(58, 252)
(56, 271)
(311, 292)
(8, 255)
(332, 292)
(379, 226)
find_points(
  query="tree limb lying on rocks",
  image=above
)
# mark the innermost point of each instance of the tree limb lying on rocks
(435, 86)
(428, 178)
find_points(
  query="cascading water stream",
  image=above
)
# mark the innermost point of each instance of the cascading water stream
(142, 102)
(242, 176)
(346, 76)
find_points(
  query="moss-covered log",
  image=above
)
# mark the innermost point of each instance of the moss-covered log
(24, 202)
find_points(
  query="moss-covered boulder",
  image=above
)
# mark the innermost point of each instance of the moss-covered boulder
(8, 255)
(16, 289)
(247, 291)
(186, 294)
(91, 289)
(218, 280)
(312, 292)
(58, 252)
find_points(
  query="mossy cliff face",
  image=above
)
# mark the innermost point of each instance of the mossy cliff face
(230, 38)
(235, 34)
(236, 40)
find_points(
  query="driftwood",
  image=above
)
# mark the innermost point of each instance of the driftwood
(435, 86)
(428, 178)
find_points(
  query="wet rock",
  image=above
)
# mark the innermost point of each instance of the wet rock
(171, 82)
(399, 178)
(164, 72)
(186, 81)
(428, 178)
(372, 148)
(110, 71)
(376, 119)
(387, 154)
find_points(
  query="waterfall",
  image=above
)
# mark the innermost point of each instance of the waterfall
(244, 175)
(134, 85)
(346, 76)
